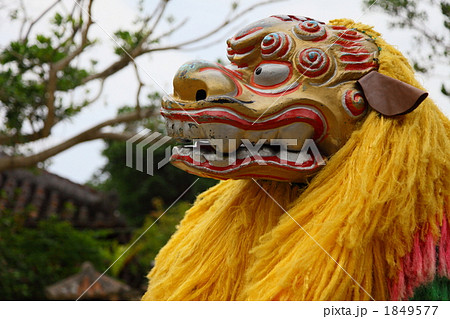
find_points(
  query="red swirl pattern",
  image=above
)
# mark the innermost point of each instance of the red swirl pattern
(353, 103)
(351, 35)
(313, 62)
(275, 45)
(310, 30)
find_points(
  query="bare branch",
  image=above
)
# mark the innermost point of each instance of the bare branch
(25, 18)
(113, 68)
(172, 30)
(215, 30)
(114, 136)
(75, 29)
(99, 93)
(163, 5)
(75, 48)
(141, 85)
(61, 64)
(129, 56)
(39, 18)
(50, 103)
(203, 46)
(154, 12)
(52, 82)
(123, 61)
(88, 135)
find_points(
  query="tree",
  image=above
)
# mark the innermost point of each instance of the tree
(39, 71)
(432, 47)
(134, 261)
(165, 186)
(33, 258)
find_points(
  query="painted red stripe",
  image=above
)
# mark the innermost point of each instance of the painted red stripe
(338, 27)
(323, 37)
(355, 58)
(350, 35)
(347, 43)
(292, 116)
(360, 66)
(239, 162)
(273, 94)
(252, 30)
(241, 51)
(267, 50)
(282, 18)
(358, 49)
(285, 47)
(294, 17)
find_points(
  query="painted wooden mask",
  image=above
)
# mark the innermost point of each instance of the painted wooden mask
(288, 101)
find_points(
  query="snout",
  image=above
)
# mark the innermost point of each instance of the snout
(197, 80)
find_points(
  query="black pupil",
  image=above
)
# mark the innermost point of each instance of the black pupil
(258, 70)
(200, 95)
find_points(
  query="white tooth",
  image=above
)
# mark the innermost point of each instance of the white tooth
(191, 130)
(180, 130)
(231, 145)
(267, 151)
(169, 127)
(186, 129)
(256, 136)
(253, 136)
(224, 138)
(299, 131)
(242, 153)
(196, 131)
(176, 128)
(270, 134)
(299, 158)
(183, 151)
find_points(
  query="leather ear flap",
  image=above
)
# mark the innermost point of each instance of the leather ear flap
(389, 96)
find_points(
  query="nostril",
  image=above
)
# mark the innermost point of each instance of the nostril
(200, 95)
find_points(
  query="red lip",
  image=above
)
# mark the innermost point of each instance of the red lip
(250, 161)
(219, 114)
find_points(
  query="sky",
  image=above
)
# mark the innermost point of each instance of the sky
(157, 70)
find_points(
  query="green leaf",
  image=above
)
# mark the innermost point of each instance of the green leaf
(57, 19)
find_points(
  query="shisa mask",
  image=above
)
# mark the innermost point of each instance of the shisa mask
(288, 101)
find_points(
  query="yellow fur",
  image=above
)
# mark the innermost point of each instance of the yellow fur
(389, 181)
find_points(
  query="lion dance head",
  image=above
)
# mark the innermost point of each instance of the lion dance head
(291, 80)
(371, 224)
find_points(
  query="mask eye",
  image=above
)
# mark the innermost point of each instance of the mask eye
(271, 74)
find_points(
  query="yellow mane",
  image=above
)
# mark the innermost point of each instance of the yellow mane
(388, 182)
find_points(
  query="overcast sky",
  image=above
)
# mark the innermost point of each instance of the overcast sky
(80, 162)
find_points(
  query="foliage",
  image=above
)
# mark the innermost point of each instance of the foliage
(432, 48)
(143, 199)
(145, 243)
(137, 189)
(46, 77)
(23, 82)
(33, 258)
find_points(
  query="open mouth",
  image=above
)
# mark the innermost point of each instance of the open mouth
(203, 156)
(221, 142)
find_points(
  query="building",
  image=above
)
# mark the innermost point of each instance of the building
(39, 194)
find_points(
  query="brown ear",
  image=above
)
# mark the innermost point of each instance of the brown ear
(390, 96)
